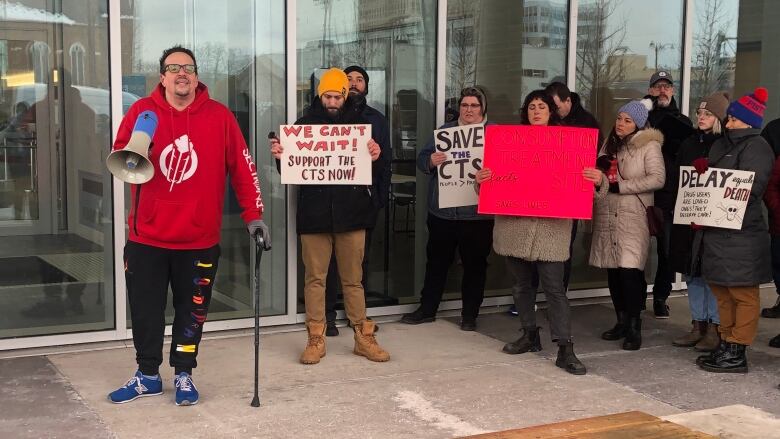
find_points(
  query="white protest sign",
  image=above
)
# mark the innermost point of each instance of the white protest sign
(325, 154)
(716, 198)
(464, 146)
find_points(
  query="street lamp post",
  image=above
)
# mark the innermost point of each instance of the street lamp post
(659, 47)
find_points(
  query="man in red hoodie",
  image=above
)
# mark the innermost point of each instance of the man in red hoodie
(175, 220)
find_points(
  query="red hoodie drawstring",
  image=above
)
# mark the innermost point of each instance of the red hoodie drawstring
(173, 144)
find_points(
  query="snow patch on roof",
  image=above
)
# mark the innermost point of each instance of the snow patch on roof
(20, 12)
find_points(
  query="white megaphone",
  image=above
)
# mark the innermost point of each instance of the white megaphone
(131, 164)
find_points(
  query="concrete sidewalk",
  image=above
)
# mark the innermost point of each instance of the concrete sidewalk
(441, 382)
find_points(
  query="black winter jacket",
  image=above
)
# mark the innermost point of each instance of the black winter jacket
(740, 257)
(682, 237)
(335, 208)
(580, 117)
(665, 197)
(380, 132)
(771, 133)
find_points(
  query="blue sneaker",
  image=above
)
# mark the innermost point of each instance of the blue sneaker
(512, 310)
(186, 393)
(136, 387)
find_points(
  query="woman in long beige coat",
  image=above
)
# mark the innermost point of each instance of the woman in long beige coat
(633, 169)
(538, 245)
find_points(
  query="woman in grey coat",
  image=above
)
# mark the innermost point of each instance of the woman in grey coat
(633, 169)
(541, 245)
(735, 262)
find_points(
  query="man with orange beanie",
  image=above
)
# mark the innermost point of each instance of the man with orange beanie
(333, 219)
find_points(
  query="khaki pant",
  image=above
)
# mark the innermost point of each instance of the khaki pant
(739, 308)
(316, 249)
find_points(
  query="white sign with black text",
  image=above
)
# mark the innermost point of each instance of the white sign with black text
(464, 146)
(716, 198)
(325, 154)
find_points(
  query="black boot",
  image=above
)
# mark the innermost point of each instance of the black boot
(529, 342)
(712, 355)
(633, 339)
(732, 360)
(567, 360)
(619, 330)
(330, 329)
(418, 316)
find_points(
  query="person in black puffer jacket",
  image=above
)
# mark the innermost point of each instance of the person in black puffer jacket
(711, 116)
(735, 262)
(334, 218)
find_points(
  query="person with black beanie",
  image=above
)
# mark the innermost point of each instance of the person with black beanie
(358, 90)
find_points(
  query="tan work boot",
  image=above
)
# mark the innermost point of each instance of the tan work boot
(365, 342)
(315, 348)
(711, 339)
(697, 332)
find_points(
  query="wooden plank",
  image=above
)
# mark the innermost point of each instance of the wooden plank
(652, 430)
(628, 425)
(570, 427)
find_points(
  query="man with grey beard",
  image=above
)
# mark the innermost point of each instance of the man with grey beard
(666, 117)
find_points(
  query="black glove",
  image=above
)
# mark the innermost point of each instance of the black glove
(614, 188)
(259, 231)
(603, 163)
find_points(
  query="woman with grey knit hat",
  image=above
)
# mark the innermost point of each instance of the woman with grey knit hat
(633, 168)
(703, 336)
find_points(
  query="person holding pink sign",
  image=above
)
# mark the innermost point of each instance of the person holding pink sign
(538, 245)
(633, 168)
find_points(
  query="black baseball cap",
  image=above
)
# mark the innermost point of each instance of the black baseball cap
(659, 75)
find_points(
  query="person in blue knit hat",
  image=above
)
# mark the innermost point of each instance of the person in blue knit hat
(633, 169)
(735, 262)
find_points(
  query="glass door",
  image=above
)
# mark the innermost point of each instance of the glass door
(26, 144)
(56, 252)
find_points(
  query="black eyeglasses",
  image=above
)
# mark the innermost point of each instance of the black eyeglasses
(175, 68)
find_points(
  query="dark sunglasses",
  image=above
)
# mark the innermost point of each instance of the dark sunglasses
(175, 68)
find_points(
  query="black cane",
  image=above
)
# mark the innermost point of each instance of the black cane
(260, 244)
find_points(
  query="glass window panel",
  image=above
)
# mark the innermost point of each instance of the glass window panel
(509, 48)
(618, 49)
(395, 42)
(239, 48)
(714, 48)
(734, 49)
(56, 252)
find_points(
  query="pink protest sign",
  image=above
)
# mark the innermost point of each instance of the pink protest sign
(537, 171)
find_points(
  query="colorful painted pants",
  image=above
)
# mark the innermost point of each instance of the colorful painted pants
(190, 274)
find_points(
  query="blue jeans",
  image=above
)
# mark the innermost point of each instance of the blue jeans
(702, 302)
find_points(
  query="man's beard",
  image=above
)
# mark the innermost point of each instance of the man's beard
(354, 91)
(664, 101)
(334, 113)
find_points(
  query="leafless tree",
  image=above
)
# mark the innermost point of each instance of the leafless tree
(712, 68)
(212, 60)
(601, 49)
(461, 51)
